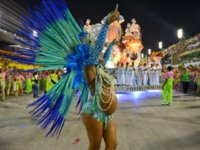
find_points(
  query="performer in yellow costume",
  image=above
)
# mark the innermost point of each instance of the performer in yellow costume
(52, 79)
(28, 82)
(2, 83)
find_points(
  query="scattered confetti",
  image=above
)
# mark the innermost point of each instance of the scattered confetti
(76, 141)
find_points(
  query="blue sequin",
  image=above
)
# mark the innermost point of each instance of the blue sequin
(107, 53)
(96, 52)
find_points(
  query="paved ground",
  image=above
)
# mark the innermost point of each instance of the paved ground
(143, 124)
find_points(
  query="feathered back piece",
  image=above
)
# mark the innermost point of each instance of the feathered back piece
(52, 37)
(51, 33)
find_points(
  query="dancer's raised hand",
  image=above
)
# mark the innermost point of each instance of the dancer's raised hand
(114, 15)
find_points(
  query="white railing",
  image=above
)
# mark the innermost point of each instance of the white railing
(125, 88)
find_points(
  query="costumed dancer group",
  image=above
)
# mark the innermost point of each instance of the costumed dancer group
(86, 78)
(12, 83)
(142, 75)
(15, 82)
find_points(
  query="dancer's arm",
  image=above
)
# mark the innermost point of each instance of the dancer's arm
(90, 69)
(96, 52)
(107, 53)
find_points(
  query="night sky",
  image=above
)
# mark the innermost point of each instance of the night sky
(158, 19)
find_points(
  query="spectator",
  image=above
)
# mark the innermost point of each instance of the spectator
(35, 84)
(185, 80)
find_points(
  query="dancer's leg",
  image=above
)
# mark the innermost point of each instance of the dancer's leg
(110, 135)
(94, 130)
(164, 94)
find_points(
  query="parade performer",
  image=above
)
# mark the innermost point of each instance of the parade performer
(135, 29)
(52, 79)
(134, 75)
(43, 79)
(150, 74)
(19, 84)
(28, 82)
(88, 26)
(157, 74)
(58, 32)
(2, 83)
(9, 79)
(121, 75)
(154, 75)
(140, 75)
(128, 75)
(167, 87)
(35, 84)
(145, 74)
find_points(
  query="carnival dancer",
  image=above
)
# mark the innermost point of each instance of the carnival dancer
(154, 75)
(44, 76)
(127, 30)
(139, 75)
(145, 74)
(150, 74)
(100, 83)
(88, 26)
(10, 82)
(35, 84)
(135, 29)
(157, 74)
(58, 32)
(52, 79)
(59, 73)
(2, 83)
(128, 75)
(14, 82)
(121, 75)
(167, 87)
(133, 77)
(19, 84)
(28, 76)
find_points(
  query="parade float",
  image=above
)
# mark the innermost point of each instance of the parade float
(132, 44)
(128, 47)
(156, 58)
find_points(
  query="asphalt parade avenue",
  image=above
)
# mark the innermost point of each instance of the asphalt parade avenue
(142, 122)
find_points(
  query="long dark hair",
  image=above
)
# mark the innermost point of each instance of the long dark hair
(169, 68)
(34, 73)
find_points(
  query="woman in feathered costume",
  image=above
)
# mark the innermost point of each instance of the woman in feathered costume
(56, 41)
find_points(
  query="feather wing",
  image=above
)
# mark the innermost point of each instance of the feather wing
(50, 32)
(52, 37)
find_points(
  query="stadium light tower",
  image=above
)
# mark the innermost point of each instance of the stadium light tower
(180, 33)
(149, 51)
(160, 45)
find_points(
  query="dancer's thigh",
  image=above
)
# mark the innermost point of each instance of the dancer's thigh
(110, 135)
(94, 129)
